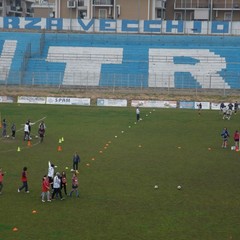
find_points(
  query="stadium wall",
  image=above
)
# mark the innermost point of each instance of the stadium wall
(123, 26)
(120, 60)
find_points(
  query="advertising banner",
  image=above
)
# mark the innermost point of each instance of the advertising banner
(112, 102)
(155, 104)
(216, 106)
(68, 101)
(205, 105)
(187, 105)
(34, 100)
(6, 99)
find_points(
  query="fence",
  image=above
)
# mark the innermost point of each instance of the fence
(128, 82)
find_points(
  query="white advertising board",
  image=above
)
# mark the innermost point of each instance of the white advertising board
(6, 99)
(112, 102)
(68, 101)
(205, 105)
(152, 103)
(34, 100)
(216, 106)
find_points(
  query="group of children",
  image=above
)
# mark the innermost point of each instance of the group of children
(52, 189)
(52, 184)
(225, 136)
(4, 129)
(26, 130)
(228, 110)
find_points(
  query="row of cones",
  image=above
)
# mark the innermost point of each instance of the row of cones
(29, 144)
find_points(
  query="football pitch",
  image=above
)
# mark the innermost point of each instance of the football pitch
(121, 162)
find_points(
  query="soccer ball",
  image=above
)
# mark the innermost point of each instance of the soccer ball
(156, 187)
(179, 187)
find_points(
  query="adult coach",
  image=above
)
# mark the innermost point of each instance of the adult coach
(76, 160)
(138, 113)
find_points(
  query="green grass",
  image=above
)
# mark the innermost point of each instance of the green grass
(117, 196)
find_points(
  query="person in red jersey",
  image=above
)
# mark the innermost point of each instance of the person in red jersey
(1, 180)
(24, 180)
(236, 138)
(45, 189)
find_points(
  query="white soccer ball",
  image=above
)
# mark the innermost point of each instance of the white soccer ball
(156, 186)
(179, 187)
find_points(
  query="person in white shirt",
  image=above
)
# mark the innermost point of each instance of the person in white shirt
(57, 186)
(26, 131)
(138, 113)
(50, 173)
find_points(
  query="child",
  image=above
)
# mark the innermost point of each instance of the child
(57, 186)
(236, 139)
(225, 135)
(24, 181)
(4, 128)
(74, 185)
(64, 182)
(13, 128)
(199, 108)
(50, 173)
(1, 180)
(41, 131)
(45, 189)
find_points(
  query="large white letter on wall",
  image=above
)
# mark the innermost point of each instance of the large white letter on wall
(205, 69)
(6, 58)
(83, 64)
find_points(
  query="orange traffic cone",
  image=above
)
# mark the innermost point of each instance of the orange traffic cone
(29, 143)
(59, 148)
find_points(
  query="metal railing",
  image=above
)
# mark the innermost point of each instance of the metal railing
(228, 80)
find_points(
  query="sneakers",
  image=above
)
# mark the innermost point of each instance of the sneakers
(43, 200)
(49, 200)
(27, 192)
(62, 199)
(18, 190)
